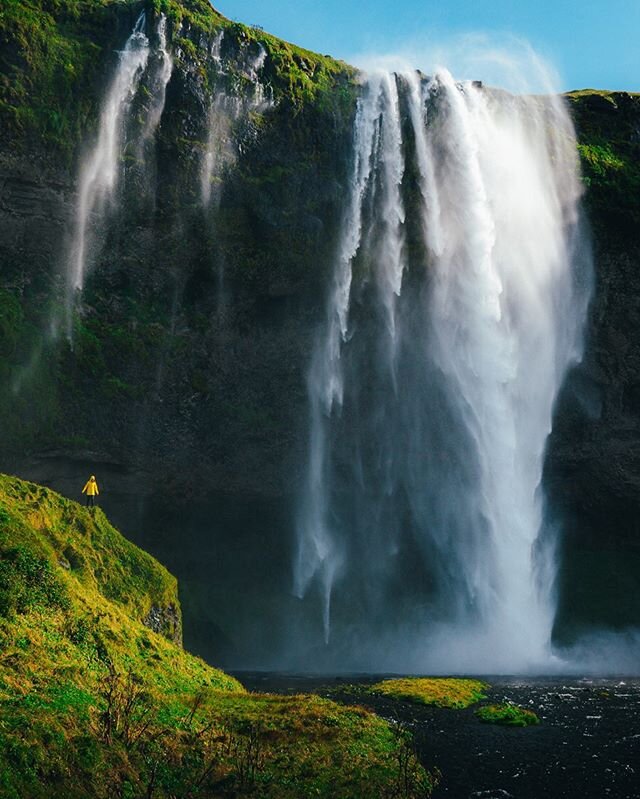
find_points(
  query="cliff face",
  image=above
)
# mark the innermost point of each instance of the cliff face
(184, 377)
(190, 343)
(593, 464)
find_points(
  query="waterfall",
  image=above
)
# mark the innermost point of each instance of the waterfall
(221, 151)
(158, 87)
(230, 106)
(99, 171)
(318, 545)
(457, 305)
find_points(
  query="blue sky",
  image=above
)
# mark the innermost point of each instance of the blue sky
(590, 44)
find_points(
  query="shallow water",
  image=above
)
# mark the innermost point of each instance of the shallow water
(586, 745)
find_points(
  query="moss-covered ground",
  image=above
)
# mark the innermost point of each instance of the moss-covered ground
(93, 703)
(449, 692)
(507, 715)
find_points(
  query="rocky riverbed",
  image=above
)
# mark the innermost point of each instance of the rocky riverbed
(586, 745)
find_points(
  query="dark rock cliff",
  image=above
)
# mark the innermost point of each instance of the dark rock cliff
(593, 465)
(190, 343)
(185, 378)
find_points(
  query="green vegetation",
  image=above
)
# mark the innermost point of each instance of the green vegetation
(609, 148)
(600, 158)
(95, 703)
(55, 54)
(47, 52)
(438, 691)
(507, 714)
(609, 96)
(300, 76)
(198, 14)
(85, 545)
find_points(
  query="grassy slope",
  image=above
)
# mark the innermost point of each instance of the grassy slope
(93, 703)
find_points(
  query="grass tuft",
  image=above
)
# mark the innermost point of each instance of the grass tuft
(507, 714)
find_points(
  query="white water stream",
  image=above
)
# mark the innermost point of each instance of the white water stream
(100, 171)
(159, 81)
(228, 109)
(458, 304)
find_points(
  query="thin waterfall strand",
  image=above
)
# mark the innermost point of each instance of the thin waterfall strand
(159, 81)
(377, 113)
(99, 174)
(228, 109)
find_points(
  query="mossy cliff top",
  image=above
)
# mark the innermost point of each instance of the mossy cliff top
(608, 130)
(55, 55)
(94, 703)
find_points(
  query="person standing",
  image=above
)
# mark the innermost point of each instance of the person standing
(91, 490)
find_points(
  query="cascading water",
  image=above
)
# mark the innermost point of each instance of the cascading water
(99, 172)
(159, 82)
(458, 303)
(228, 108)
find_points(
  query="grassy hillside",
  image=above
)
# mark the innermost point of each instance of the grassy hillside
(94, 703)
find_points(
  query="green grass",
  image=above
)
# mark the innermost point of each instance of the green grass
(606, 93)
(600, 158)
(44, 535)
(93, 703)
(507, 714)
(437, 691)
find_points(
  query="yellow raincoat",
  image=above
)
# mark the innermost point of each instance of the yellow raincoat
(91, 487)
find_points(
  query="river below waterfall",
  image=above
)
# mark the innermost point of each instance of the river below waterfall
(586, 745)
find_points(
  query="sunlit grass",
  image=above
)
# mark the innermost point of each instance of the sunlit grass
(437, 691)
(90, 697)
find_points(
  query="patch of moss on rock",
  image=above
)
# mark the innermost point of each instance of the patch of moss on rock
(49, 63)
(448, 692)
(609, 147)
